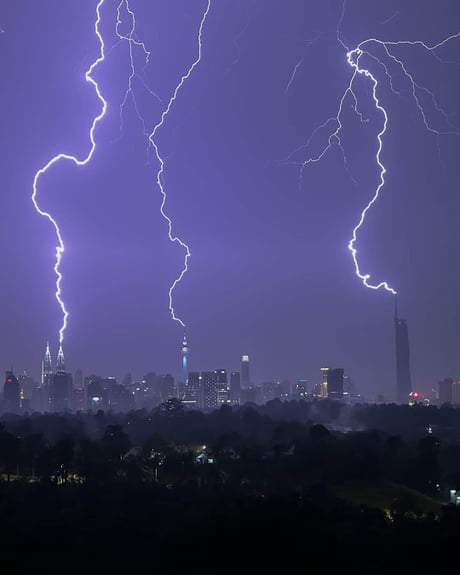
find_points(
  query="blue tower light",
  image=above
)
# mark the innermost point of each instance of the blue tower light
(185, 351)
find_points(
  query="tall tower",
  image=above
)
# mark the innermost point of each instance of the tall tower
(60, 365)
(47, 366)
(245, 371)
(403, 378)
(185, 351)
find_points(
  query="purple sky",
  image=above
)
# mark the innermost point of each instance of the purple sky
(270, 274)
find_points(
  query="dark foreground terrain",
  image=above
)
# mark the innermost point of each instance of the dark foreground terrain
(234, 491)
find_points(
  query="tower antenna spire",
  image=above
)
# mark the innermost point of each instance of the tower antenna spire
(185, 351)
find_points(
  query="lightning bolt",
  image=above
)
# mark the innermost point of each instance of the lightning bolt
(60, 248)
(333, 126)
(133, 43)
(160, 173)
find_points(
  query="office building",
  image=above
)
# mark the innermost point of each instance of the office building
(209, 383)
(300, 390)
(245, 381)
(166, 386)
(223, 390)
(26, 389)
(235, 387)
(335, 383)
(61, 392)
(456, 393)
(268, 391)
(193, 393)
(445, 391)
(11, 393)
(94, 392)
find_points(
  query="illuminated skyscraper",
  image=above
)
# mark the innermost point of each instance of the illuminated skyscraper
(331, 385)
(209, 383)
(42, 395)
(60, 365)
(47, 367)
(403, 378)
(185, 351)
(322, 391)
(223, 390)
(245, 383)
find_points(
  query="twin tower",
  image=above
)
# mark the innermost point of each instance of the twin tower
(47, 365)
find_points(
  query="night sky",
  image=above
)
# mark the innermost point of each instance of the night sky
(270, 273)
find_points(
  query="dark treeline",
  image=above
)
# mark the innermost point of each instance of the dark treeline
(289, 486)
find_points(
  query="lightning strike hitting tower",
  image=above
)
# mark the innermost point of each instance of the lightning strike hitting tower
(60, 365)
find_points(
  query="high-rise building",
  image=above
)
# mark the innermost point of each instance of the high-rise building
(335, 383)
(61, 388)
(283, 390)
(26, 387)
(268, 391)
(331, 385)
(403, 378)
(300, 389)
(321, 389)
(456, 393)
(42, 397)
(166, 385)
(94, 392)
(193, 392)
(348, 389)
(209, 382)
(60, 364)
(61, 392)
(185, 349)
(235, 387)
(11, 393)
(223, 390)
(245, 381)
(78, 378)
(78, 398)
(445, 389)
(47, 366)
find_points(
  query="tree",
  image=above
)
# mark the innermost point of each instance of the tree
(318, 432)
(172, 407)
(10, 452)
(115, 443)
(64, 455)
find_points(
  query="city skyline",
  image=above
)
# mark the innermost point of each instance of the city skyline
(270, 273)
(61, 391)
